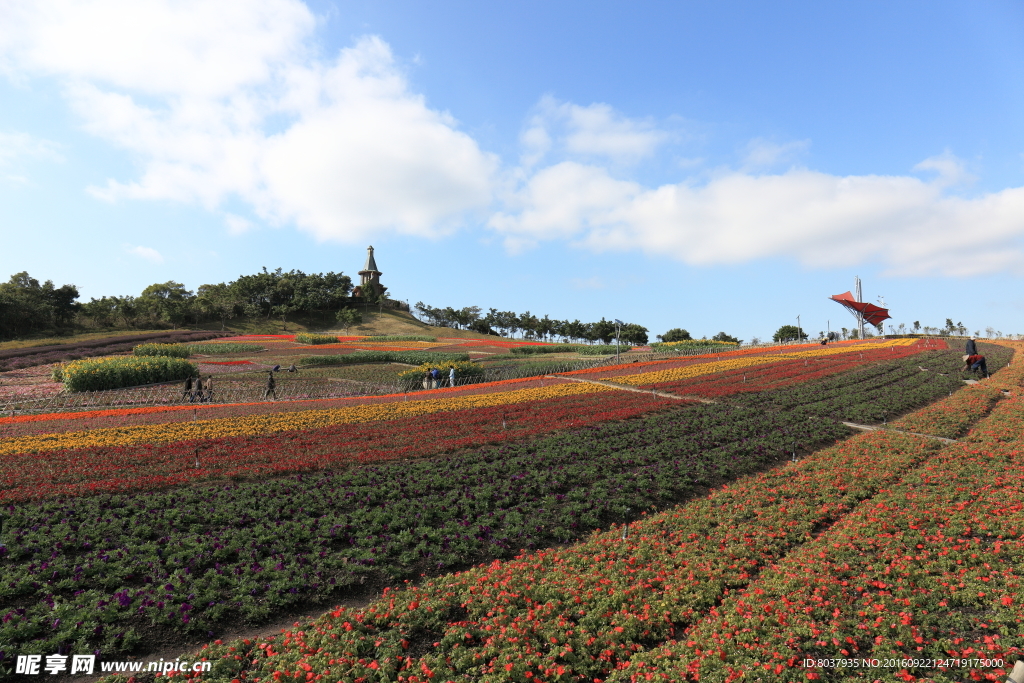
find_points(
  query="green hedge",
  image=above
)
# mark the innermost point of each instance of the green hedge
(688, 344)
(550, 348)
(410, 357)
(226, 347)
(464, 369)
(168, 350)
(400, 338)
(116, 372)
(602, 349)
(306, 338)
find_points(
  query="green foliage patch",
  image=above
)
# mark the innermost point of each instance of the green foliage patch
(169, 350)
(313, 339)
(400, 338)
(226, 347)
(602, 349)
(116, 372)
(552, 348)
(408, 357)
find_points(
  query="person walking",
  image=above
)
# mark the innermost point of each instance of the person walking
(209, 387)
(187, 393)
(426, 380)
(451, 376)
(198, 390)
(436, 375)
(972, 347)
(976, 363)
(271, 386)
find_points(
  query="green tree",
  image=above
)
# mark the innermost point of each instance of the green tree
(723, 337)
(27, 306)
(603, 330)
(788, 332)
(674, 335)
(168, 301)
(217, 300)
(347, 317)
(633, 334)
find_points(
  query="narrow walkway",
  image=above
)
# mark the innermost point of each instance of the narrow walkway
(624, 387)
(868, 428)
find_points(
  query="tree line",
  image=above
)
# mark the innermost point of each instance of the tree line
(28, 307)
(529, 326)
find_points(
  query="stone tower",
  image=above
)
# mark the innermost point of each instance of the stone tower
(369, 276)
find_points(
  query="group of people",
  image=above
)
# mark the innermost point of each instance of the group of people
(433, 379)
(974, 361)
(196, 389)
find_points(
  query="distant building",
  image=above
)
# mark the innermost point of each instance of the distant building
(369, 277)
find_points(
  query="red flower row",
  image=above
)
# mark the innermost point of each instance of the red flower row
(70, 472)
(778, 374)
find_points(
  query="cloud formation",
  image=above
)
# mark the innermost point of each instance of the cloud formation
(907, 225)
(145, 253)
(596, 130)
(197, 92)
(227, 101)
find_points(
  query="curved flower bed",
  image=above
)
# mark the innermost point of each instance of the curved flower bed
(886, 547)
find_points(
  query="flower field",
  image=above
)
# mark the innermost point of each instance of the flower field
(722, 556)
(888, 547)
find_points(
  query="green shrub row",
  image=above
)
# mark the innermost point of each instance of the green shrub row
(306, 338)
(602, 349)
(116, 372)
(464, 370)
(401, 338)
(226, 347)
(688, 344)
(168, 350)
(409, 357)
(551, 348)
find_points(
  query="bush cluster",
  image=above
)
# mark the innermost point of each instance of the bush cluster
(168, 350)
(307, 338)
(224, 347)
(464, 370)
(98, 374)
(407, 357)
(400, 338)
(602, 349)
(551, 348)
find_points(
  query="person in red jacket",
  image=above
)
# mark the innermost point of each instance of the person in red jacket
(976, 362)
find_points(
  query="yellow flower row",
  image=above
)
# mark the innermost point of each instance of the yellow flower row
(736, 363)
(253, 425)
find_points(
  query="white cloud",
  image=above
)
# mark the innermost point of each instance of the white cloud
(949, 169)
(761, 153)
(905, 224)
(146, 253)
(587, 283)
(236, 224)
(194, 90)
(16, 146)
(596, 130)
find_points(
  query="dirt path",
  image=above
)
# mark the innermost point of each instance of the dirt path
(869, 428)
(638, 390)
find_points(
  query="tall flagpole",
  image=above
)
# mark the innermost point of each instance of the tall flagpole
(860, 314)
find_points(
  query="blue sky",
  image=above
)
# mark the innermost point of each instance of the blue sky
(718, 166)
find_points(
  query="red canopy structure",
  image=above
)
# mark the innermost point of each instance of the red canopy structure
(872, 314)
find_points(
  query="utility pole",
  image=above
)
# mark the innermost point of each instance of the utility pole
(860, 314)
(618, 326)
(799, 332)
